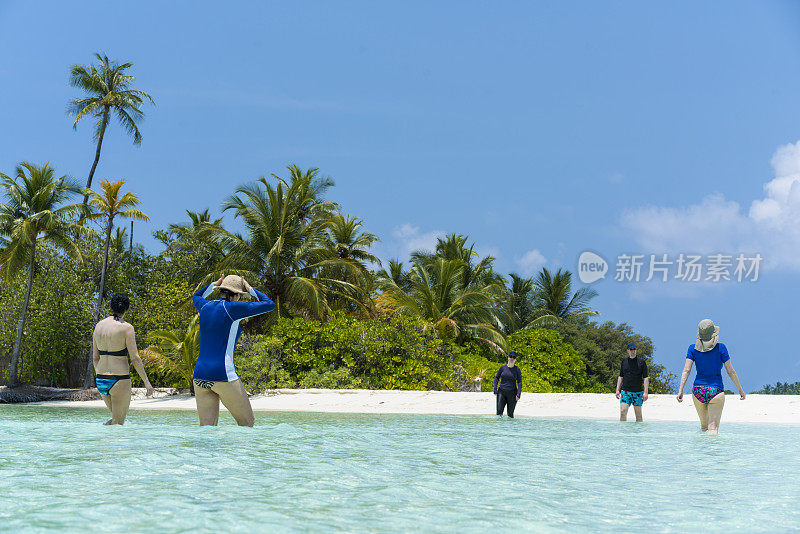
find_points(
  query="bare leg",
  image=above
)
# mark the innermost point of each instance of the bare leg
(638, 411)
(702, 413)
(207, 406)
(120, 400)
(107, 400)
(715, 407)
(623, 411)
(234, 397)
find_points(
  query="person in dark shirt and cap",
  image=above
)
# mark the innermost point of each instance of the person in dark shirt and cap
(510, 379)
(632, 384)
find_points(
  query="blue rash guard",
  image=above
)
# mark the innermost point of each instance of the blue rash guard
(709, 365)
(219, 332)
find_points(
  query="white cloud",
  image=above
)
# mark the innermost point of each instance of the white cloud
(770, 227)
(530, 262)
(408, 239)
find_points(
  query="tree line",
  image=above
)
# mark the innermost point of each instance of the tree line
(61, 259)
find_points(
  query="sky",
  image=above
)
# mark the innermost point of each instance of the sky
(539, 129)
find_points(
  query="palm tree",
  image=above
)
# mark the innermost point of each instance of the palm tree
(284, 250)
(454, 247)
(344, 239)
(34, 214)
(176, 351)
(436, 296)
(108, 205)
(394, 276)
(198, 220)
(119, 241)
(519, 305)
(108, 92)
(191, 239)
(554, 300)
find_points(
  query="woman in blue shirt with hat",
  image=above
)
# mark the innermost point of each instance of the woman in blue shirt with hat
(708, 392)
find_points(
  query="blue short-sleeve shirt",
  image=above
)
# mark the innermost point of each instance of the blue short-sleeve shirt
(709, 365)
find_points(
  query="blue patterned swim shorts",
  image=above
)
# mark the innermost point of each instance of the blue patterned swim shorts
(631, 398)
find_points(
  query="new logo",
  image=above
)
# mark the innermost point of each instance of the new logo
(591, 267)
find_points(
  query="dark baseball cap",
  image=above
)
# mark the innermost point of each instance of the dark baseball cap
(631, 345)
(512, 354)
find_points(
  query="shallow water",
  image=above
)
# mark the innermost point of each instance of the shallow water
(61, 469)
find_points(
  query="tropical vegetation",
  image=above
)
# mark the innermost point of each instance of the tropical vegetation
(780, 388)
(439, 319)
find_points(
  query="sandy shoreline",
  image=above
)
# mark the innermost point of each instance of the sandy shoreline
(778, 409)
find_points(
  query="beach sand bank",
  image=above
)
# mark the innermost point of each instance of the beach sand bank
(779, 409)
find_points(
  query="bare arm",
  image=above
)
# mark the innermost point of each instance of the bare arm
(646, 386)
(735, 378)
(130, 341)
(95, 353)
(619, 385)
(687, 368)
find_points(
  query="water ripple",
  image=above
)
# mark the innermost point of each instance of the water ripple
(61, 469)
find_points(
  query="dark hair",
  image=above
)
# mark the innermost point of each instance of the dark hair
(225, 293)
(120, 303)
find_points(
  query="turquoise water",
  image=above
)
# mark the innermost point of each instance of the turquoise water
(61, 469)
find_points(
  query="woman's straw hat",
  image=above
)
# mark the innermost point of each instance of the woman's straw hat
(707, 336)
(233, 283)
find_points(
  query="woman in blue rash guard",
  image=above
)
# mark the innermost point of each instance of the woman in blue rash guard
(215, 377)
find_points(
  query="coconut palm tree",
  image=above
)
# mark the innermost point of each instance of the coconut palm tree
(519, 307)
(108, 93)
(284, 249)
(108, 206)
(395, 275)
(436, 296)
(454, 247)
(176, 351)
(554, 300)
(344, 238)
(192, 239)
(198, 220)
(34, 213)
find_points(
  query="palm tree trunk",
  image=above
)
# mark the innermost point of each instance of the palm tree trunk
(89, 380)
(12, 374)
(97, 154)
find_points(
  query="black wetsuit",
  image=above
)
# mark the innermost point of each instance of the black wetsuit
(510, 379)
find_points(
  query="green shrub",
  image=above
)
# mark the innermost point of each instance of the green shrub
(546, 357)
(392, 352)
(475, 360)
(259, 364)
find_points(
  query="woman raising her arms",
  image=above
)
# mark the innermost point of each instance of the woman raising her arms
(215, 377)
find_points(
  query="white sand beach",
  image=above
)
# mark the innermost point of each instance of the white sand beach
(778, 409)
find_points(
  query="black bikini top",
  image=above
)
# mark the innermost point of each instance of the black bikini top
(123, 352)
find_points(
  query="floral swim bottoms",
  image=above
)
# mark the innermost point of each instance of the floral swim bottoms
(705, 393)
(631, 398)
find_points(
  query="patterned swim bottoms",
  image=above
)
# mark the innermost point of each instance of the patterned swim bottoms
(705, 393)
(631, 398)
(205, 384)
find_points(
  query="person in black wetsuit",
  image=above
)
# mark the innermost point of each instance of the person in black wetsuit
(510, 378)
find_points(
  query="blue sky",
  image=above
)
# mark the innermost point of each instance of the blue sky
(540, 129)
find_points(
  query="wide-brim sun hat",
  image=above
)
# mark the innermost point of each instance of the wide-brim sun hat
(233, 283)
(707, 335)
